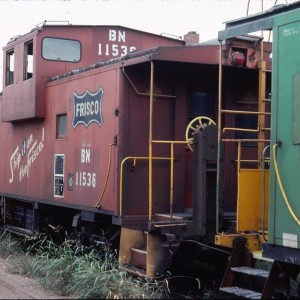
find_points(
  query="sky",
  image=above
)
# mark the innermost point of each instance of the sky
(170, 17)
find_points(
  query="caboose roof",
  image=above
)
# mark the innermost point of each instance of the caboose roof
(44, 26)
(256, 22)
(200, 53)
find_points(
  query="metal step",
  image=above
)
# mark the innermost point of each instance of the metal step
(240, 292)
(136, 271)
(251, 271)
(187, 215)
(258, 256)
(138, 258)
(168, 224)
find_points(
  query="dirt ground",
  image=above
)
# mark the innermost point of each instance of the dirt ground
(13, 286)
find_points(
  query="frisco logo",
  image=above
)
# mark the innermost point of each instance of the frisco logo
(88, 108)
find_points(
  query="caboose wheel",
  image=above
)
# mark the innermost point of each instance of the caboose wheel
(194, 126)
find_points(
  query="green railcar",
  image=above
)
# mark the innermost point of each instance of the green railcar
(284, 210)
(284, 193)
(281, 243)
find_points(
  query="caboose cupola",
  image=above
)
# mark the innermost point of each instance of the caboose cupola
(49, 50)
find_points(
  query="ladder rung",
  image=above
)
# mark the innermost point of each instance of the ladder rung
(249, 160)
(253, 160)
(245, 112)
(244, 140)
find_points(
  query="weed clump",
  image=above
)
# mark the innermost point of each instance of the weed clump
(9, 245)
(83, 273)
(75, 270)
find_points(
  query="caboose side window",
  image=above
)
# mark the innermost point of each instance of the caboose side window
(202, 104)
(10, 67)
(61, 126)
(61, 49)
(28, 60)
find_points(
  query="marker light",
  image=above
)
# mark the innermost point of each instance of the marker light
(238, 59)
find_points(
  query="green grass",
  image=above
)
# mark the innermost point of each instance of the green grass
(9, 245)
(69, 270)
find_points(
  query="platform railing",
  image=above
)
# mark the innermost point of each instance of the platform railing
(171, 158)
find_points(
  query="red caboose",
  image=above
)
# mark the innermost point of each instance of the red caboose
(95, 142)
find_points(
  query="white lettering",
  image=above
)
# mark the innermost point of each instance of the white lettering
(121, 36)
(85, 179)
(77, 109)
(132, 48)
(89, 108)
(14, 163)
(112, 35)
(33, 153)
(124, 50)
(115, 50)
(85, 155)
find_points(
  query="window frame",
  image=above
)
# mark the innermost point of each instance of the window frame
(28, 62)
(57, 58)
(210, 95)
(10, 67)
(59, 135)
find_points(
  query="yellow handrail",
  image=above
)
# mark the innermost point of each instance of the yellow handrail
(244, 112)
(150, 138)
(241, 129)
(98, 205)
(171, 172)
(135, 158)
(245, 140)
(281, 187)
